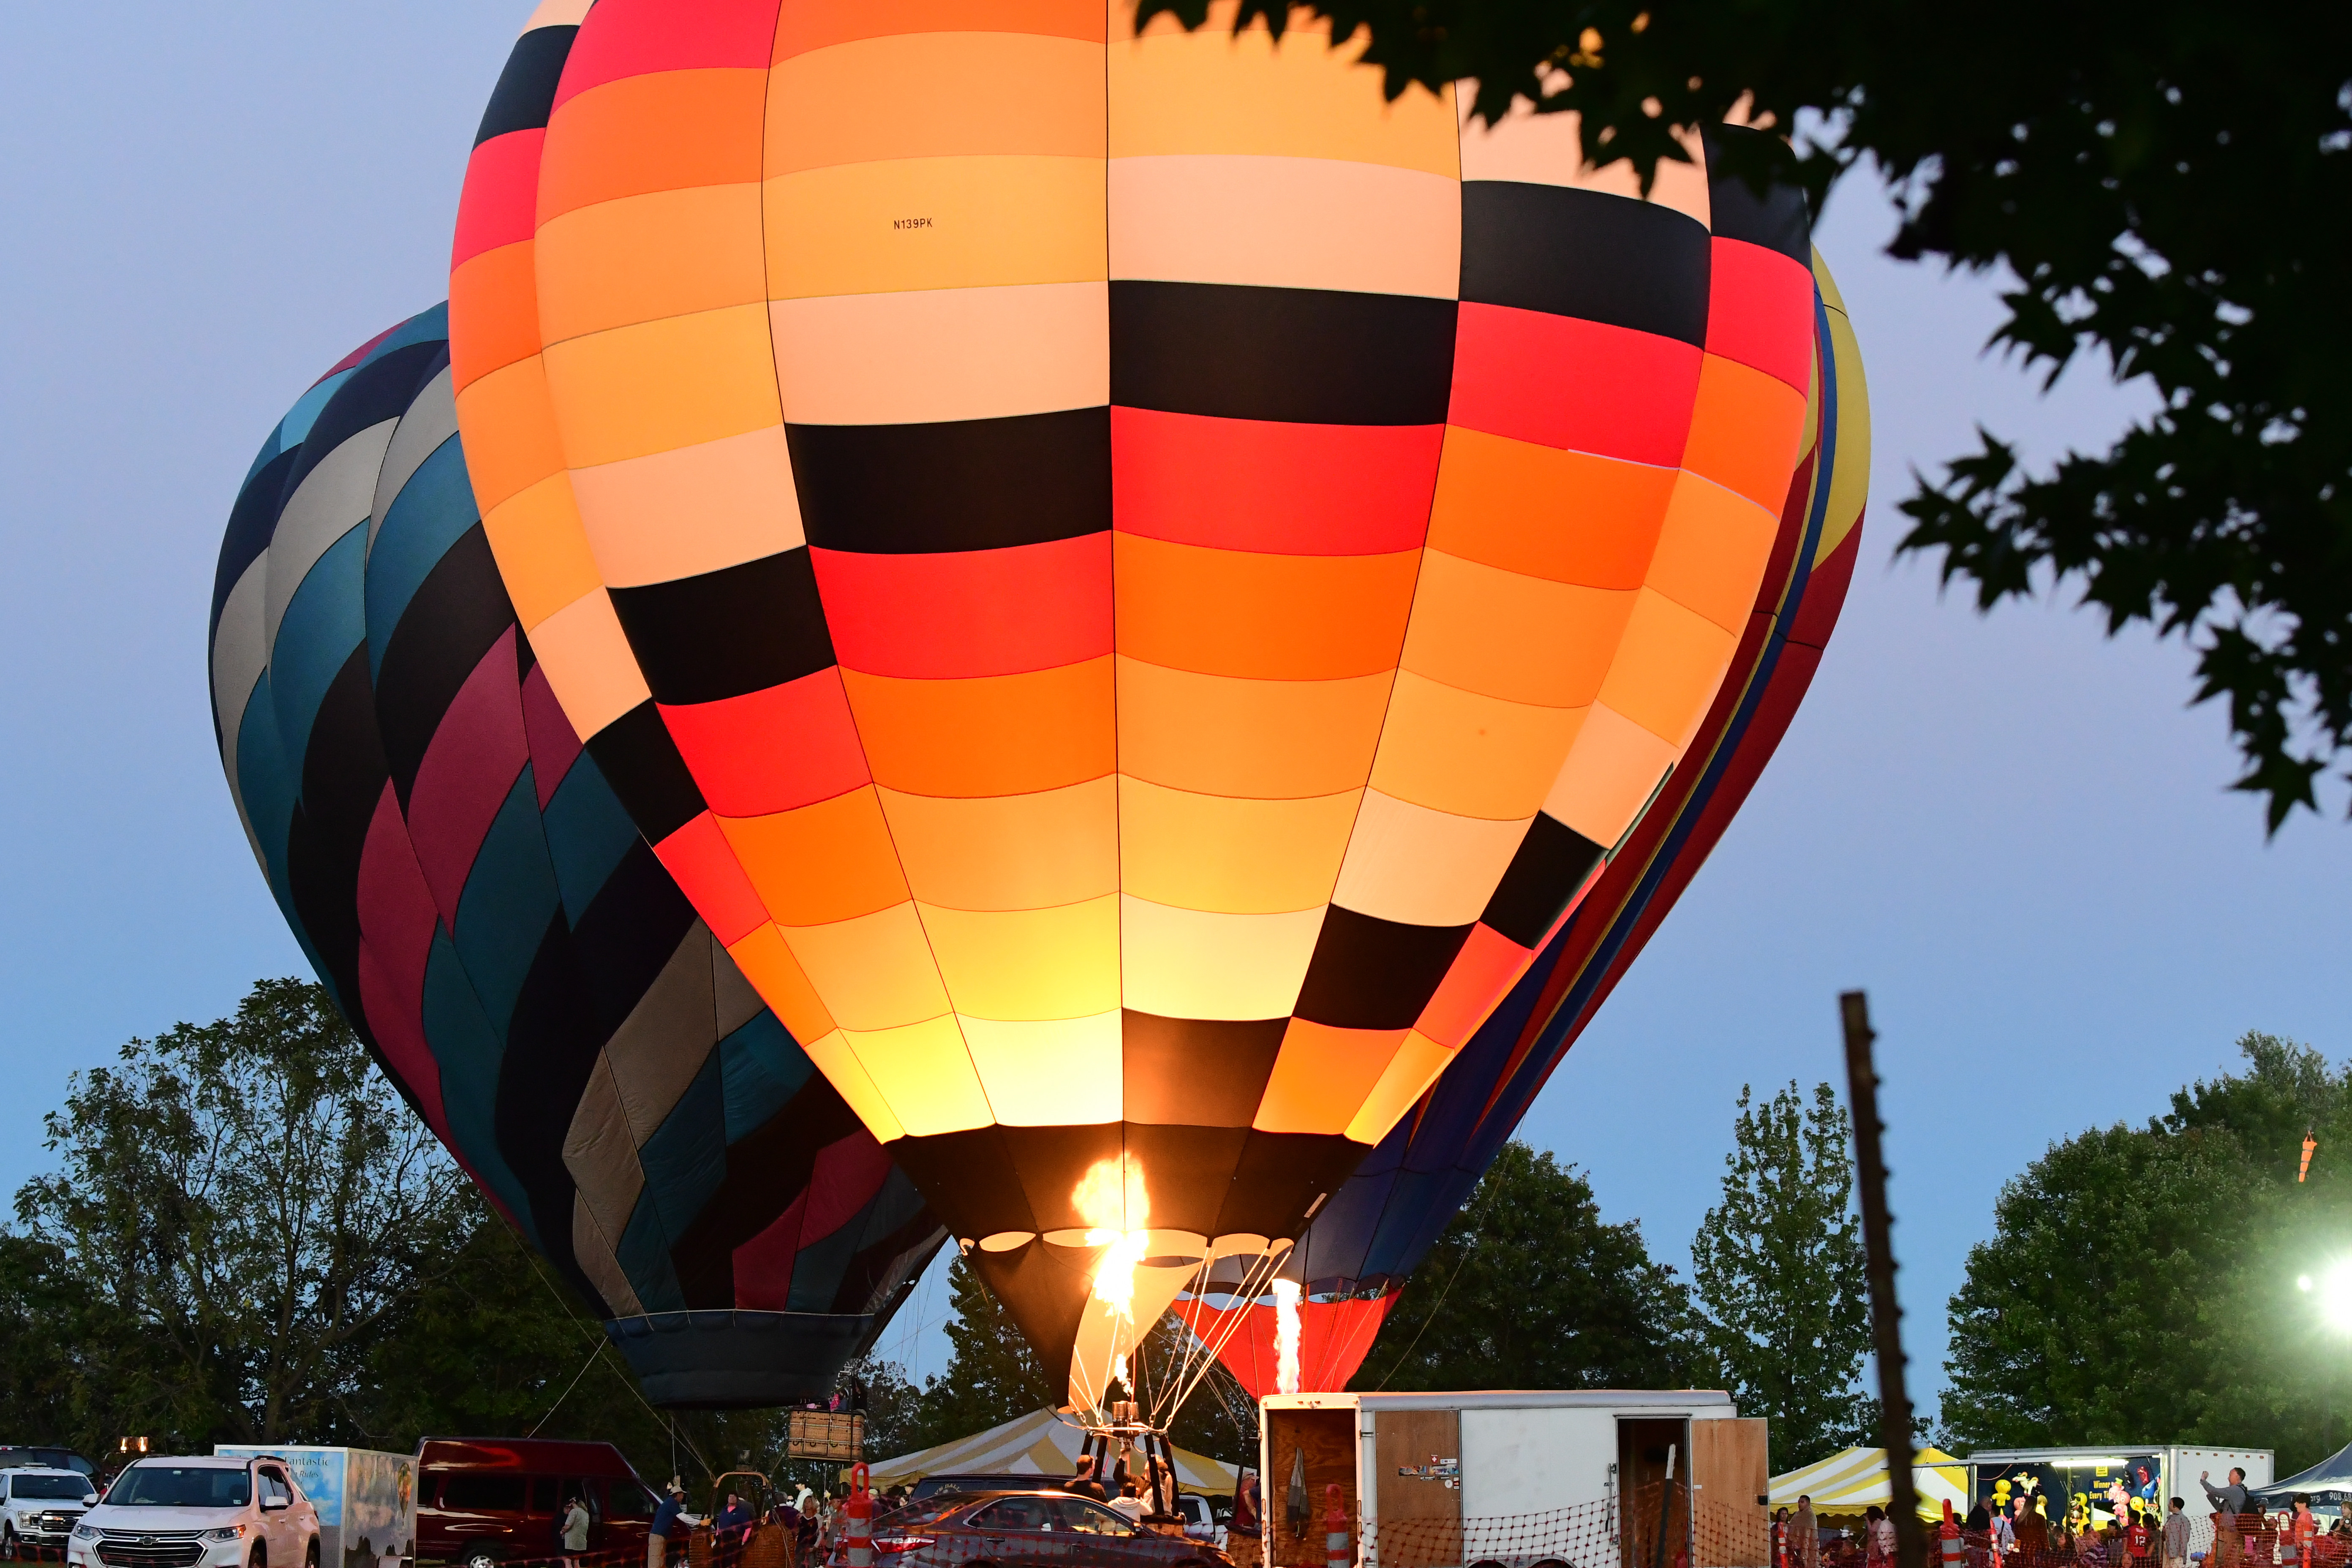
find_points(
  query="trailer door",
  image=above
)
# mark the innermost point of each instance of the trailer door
(1731, 1471)
(1417, 1456)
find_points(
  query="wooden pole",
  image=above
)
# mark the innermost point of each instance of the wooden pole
(1878, 1255)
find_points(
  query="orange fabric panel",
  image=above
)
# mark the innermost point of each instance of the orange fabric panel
(875, 972)
(542, 555)
(1415, 866)
(1667, 669)
(769, 964)
(1607, 775)
(979, 93)
(1411, 1070)
(1293, 223)
(493, 312)
(1322, 1076)
(818, 24)
(662, 385)
(1744, 430)
(638, 258)
(1029, 964)
(661, 132)
(1455, 751)
(1270, 739)
(1191, 963)
(1217, 852)
(1009, 851)
(1712, 550)
(691, 510)
(1212, 91)
(589, 666)
(509, 429)
(817, 863)
(1569, 516)
(1504, 634)
(1280, 617)
(990, 220)
(1000, 734)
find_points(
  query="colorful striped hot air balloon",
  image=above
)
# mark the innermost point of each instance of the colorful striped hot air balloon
(469, 889)
(1354, 1258)
(1131, 580)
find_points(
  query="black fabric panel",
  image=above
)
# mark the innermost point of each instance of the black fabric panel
(457, 613)
(638, 759)
(1586, 254)
(526, 90)
(1187, 1171)
(551, 1046)
(252, 523)
(626, 935)
(1312, 356)
(1044, 1289)
(380, 390)
(887, 1267)
(969, 1179)
(1281, 1176)
(957, 484)
(1050, 1161)
(1197, 1072)
(724, 632)
(1371, 973)
(1776, 220)
(764, 1169)
(1552, 863)
(342, 779)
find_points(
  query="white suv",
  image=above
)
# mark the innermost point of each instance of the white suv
(199, 1512)
(39, 1506)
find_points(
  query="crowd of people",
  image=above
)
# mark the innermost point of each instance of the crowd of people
(2126, 1534)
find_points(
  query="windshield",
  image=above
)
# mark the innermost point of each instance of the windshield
(73, 1486)
(181, 1486)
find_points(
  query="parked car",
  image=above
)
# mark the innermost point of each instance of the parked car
(39, 1507)
(484, 1500)
(1006, 1530)
(218, 1513)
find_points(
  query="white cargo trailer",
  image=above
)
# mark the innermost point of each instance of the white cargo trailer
(366, 1500)
(1535, 1478)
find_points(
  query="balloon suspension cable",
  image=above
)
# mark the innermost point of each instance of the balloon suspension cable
(1200, 1351)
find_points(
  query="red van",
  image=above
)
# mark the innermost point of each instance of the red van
(482, 1501)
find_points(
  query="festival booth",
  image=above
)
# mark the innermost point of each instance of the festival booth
(2326, 1483)
(1043, 1443)
(1844, 1484)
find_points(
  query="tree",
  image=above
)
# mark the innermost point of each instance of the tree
(2171, 196)
(1778, 1268)
(1528, 1288)
(993, 1376)
(2140, 1284)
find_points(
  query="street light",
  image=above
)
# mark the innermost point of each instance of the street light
(2334, 1290)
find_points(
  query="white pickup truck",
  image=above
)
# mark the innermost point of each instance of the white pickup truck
(39, 1507)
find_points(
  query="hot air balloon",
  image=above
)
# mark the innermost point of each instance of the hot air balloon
(1352, 1262)
(1132, 581)
(469, 889)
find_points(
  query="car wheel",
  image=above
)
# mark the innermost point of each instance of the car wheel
(482, 1559)
(310, 1557)
(260, 1556)
(8, 1547)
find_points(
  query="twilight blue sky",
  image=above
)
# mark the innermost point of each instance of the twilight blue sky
(2009, 829)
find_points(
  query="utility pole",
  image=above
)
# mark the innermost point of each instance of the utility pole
(1878, 1254)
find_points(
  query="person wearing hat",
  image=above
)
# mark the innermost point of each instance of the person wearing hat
(666, 1524)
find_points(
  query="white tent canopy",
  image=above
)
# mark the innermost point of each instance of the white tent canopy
(1849, 1482)
(1043, 1443)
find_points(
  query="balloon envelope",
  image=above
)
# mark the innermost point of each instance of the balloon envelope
(1132, 581)
(469, 889)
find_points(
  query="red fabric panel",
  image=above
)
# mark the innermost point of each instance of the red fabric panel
(1484, 968)
(637, 37)
(1825, 595)
(397, 919)
(844, 1178)
(1761, 310)
(499, 204)
(1580, 386)
(763, 1265)
(1280, 490)
(770, 751)
(1334, 1337)
(968, 612)
(469, 765)
(703, 865)
(554, 746)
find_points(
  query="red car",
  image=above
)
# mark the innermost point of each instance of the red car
(1015, 1530)
(484, 1500)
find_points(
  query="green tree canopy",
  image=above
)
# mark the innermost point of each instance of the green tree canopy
(1527, 1287)
(1778, 1268)
(2141, 1282)
(2170, 192)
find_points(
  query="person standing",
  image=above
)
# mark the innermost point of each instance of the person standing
(2176, 1536)
(575, 1531)
(2000, 1537)
(2229, 1502)
(1805, 1537)
(673, 1503)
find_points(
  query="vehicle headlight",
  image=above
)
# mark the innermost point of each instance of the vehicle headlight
(85, 1532)
(229, 1532)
